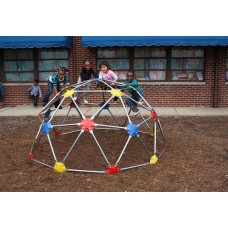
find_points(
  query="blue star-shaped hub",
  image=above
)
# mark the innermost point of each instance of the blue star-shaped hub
(105, 107)
(132, 129)
(47, 127)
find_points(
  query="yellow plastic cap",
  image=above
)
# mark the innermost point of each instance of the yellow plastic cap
(59, 167)
(69, 92)
(116, 92)
(153, 159)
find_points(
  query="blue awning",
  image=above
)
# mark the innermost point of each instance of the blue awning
(35, 41)
(111, 41)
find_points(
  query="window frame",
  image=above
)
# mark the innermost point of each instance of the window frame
(38, 59)
(145, 58)
(185, 70)
(35, 59)
(168, 69)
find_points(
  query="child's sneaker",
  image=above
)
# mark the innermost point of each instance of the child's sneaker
(140, 101)
(85, 101)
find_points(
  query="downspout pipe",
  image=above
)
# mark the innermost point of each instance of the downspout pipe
(216, 77)
(74, 59)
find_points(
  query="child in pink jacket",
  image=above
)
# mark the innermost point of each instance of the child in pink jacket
(106, 73)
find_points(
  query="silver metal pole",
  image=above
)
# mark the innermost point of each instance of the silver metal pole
(48, 104)
(161, 153)
(57, 109)
(53, 152)
(85, 171)
(159, 124)
(125, 110)
(123, 149)
(77, 108)
(65, 125)
(125, 95)
(34, 145)
(73, 145)
(103, 128)
(155, 137)
(144, 121)
(99, 110)
(135, 166)
(39, 130)
(109, 126)
(43, 163)
(144, 145)
(70, 132)
(65, 118)
(113, 117)
(91, 131)
(93, 91)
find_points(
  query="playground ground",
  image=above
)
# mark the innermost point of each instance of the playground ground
(196, 160)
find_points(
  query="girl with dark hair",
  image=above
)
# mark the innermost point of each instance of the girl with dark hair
(86, 74)
(106, 73)
(54, 84)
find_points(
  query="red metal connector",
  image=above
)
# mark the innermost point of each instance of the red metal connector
(113, 169)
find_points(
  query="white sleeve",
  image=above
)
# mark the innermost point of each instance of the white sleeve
(100, 76)
(115, 77)
(79, 79)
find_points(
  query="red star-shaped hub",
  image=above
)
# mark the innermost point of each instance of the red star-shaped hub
(87, 124)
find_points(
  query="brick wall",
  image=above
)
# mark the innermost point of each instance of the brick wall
(222, 86)
(157, 94)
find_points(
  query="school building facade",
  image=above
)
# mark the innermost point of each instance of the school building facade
(173, 71)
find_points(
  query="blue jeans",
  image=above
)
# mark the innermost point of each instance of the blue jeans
(86, 88)
(35, 99)
(49, 92)
(135, 96)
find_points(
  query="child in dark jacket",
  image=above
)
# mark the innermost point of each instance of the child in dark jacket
(35, 92)
(86, 74)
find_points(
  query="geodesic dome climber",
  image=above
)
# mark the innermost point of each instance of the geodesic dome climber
(86, 141)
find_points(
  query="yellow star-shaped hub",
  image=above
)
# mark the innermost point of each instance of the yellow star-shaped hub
(116, 92)
(59, 167)
(68, 93)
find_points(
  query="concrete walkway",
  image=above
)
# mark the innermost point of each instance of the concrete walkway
(28, 110)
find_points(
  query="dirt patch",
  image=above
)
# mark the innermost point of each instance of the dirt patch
(196, 158)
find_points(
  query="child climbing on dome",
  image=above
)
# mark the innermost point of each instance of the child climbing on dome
(131, 84)
(86, 74)
(54, 84)
(106, 73)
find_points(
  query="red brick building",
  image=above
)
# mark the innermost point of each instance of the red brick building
(174, 71)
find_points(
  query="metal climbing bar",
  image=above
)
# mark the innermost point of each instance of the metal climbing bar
(152, 142)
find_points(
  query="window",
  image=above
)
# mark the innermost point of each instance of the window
(118, 59)
(24, 65)
(150, 63)
(18, 65)
(50, 60)
(156, 63)
(227, 65)
(187, 63)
